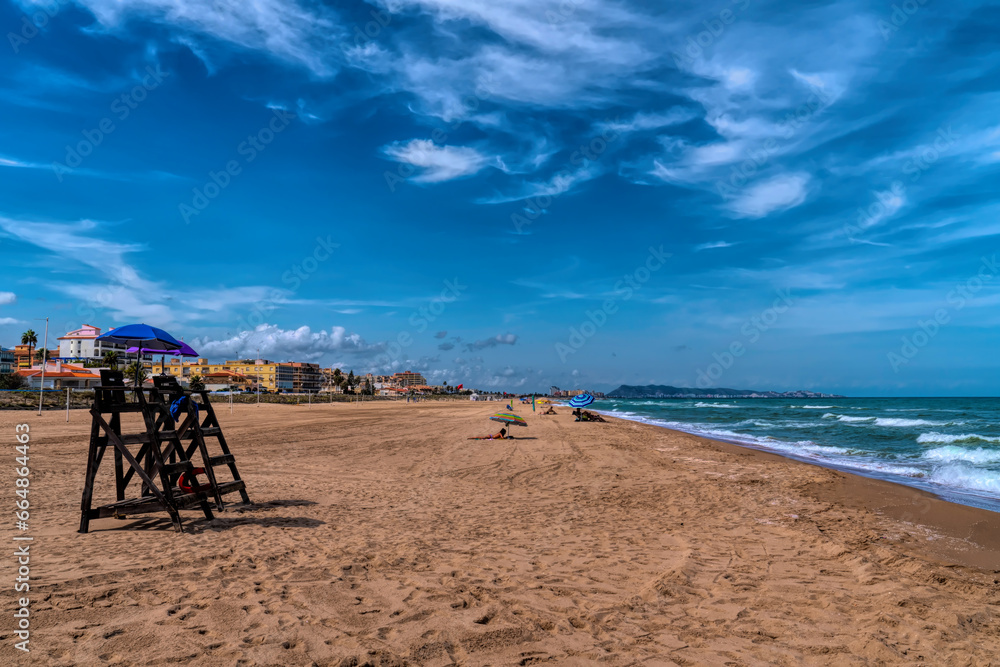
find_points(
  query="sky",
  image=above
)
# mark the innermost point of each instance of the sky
(512, 195)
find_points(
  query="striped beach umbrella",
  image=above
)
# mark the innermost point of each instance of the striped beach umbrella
(581, 400)
(509, 418)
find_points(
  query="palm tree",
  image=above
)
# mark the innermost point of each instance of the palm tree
(29, 338)
(42, 355)
(111, 360)
(196, 383)
(338, 377)
(135, 372)
(351, 381)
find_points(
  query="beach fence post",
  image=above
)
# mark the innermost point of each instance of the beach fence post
(310, 399)
(67, 404)
(230, 400)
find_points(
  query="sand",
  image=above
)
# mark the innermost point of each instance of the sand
(380, 535)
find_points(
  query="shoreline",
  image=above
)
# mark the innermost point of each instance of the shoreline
(950, 495)
(974, 526)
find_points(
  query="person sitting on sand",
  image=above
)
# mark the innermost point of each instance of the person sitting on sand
(550, 411)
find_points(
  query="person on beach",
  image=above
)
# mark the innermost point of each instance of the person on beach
(502, 435)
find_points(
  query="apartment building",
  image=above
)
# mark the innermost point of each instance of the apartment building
(257, 370)
(407, 379)
(7, 363)
(298, 377)
(82, 345)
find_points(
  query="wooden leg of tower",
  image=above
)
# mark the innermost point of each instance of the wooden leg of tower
(88, 483)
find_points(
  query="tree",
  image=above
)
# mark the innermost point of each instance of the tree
(368, 390)
(338, 377)
(29, 338)
(42, 355)
(135, 372)
(351, 381)
(12, 381)
(196, 383)
(110, 359)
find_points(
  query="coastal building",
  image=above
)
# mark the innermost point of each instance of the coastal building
(60, 376)
(407, 379)
(7, 363)
(298, 377)
(555, 391)
(228, 380)
(257, 370)
(82, 345)
(23, 356)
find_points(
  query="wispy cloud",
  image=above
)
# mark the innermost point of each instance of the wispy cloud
(713, 245)
(779, 193)
(303, 34)
(439, 163)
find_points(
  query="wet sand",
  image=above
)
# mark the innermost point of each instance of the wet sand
(381, 535)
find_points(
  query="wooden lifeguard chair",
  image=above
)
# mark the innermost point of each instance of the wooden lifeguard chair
(159, 462)
(166, 390)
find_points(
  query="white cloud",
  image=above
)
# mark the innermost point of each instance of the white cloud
(280, 344)
(713, 245)
(21, 164)
(10, 320)
(560, 183)
(440, 163)
(304, 34)
(7, 298)
(779, 193)
(643, 120)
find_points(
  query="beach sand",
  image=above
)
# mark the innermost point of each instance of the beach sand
(380, 535)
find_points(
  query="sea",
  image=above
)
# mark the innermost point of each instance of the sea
(948, 446)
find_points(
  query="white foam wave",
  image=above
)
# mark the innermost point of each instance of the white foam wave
(933, 437)
(967, 478)
(699, 404)
(907, 423)
(952, 453)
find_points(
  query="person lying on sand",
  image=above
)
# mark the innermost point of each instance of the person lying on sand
(550, 411)
(502, 435)
(592, 417)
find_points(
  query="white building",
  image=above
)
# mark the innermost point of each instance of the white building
(82, 345)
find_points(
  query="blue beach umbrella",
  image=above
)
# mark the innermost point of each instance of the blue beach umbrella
(144, 336)
(581, 400)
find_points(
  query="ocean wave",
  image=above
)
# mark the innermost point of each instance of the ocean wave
(934, 437)
(967, 478)
(952, 453)
(714, 405)
(905, 423)
(761, 423)
(813, 407)
(850, 419)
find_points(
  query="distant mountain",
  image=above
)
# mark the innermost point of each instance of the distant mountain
(664, 391)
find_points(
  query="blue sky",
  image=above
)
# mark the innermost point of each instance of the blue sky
(515, 194)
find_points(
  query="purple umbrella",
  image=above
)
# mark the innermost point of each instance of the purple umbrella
(184, 351)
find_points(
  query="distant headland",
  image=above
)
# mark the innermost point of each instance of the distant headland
(665, 391)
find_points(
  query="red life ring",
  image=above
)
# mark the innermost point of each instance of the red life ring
(192, 486)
